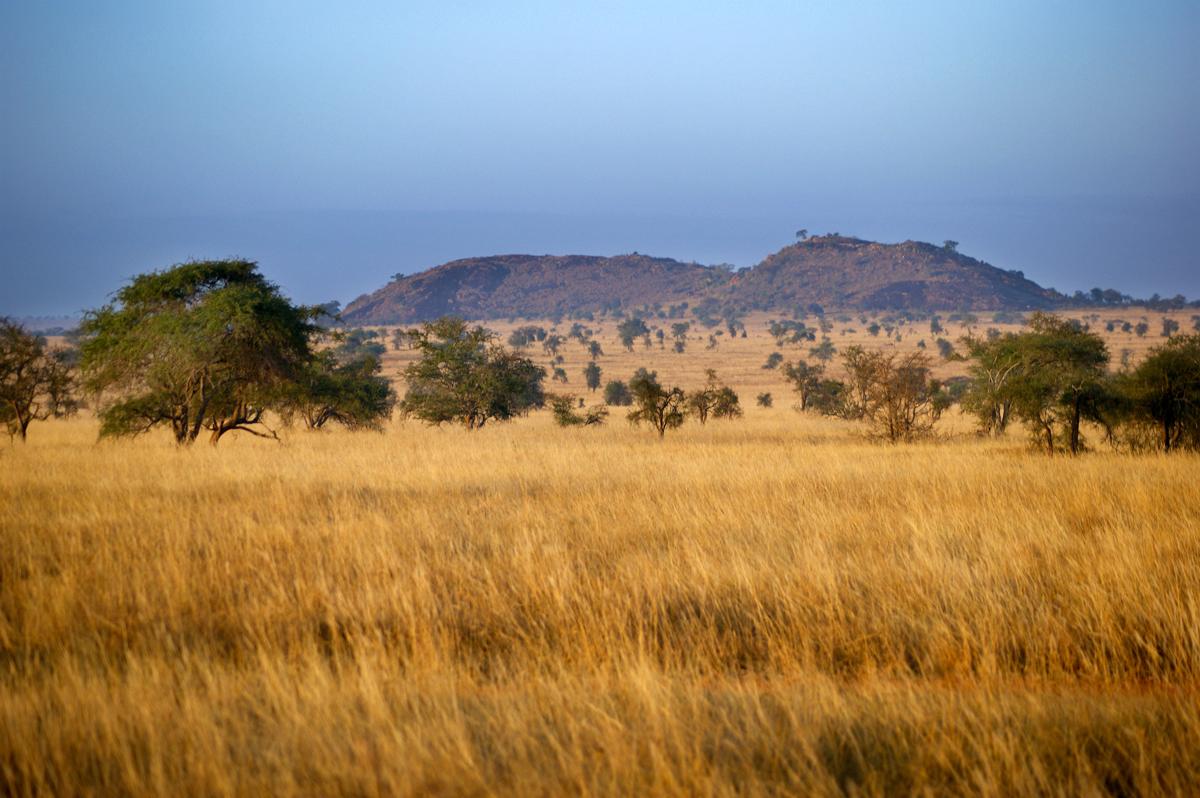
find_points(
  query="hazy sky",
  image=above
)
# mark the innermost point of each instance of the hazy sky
(339, 143)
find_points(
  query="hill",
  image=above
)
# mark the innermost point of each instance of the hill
(533, 285)
(833, 271)
(836, 271)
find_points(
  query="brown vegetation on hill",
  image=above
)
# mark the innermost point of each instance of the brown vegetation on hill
(832, 271)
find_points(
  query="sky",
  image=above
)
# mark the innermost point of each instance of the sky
(340, 143)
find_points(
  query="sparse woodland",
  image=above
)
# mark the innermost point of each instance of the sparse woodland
(428, 572)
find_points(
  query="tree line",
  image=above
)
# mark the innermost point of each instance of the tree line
(212, 347)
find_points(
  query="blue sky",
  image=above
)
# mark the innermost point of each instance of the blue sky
(341, 143)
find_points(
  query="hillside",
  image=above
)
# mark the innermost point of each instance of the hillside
(522, 285)
(833, 271)
(841, 272)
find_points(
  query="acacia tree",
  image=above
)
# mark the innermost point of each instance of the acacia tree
(204, 345)
(630, 330)
(661, 407)
(1164, 392)
(1062, 380)
(591, 375)
(994, 372)
(805, 379)
(351, 392)
(464, 375)
(902, 401)
(35, 382)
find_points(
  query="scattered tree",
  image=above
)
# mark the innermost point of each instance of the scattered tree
(630, 330)
(805, 379)
(617, 393)
(661, 407)
(464, 376)
(36, 382)
(591, 375)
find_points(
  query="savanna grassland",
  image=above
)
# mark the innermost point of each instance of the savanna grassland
(763, 606)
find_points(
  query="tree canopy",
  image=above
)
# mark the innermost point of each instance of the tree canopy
(463, 375)
(204, 345)
(35, 382)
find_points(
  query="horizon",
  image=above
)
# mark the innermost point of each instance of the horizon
(339, 147)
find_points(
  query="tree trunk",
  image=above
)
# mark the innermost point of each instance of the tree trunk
(1075, 414)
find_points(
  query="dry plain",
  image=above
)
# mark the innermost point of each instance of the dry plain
(773, 605)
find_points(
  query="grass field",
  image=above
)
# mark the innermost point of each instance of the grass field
(764, 606)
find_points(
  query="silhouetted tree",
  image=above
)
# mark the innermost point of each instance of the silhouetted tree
(617, 393)
(591, 375)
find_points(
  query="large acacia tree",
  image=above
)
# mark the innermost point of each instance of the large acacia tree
(463, 375)
(35, 382)
(1061, 381)
(201, 346)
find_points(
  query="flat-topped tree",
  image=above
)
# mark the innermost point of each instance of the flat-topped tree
(205, 345)
(463, 375)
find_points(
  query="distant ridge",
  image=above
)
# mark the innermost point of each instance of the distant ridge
(832, 271)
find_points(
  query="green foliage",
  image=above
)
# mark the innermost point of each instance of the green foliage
(464, 376)
(661, 407)
(35, 383)
(824, 351)
(1061, 382)
(351, 393)
(524, 336)
(805, 380)
(1163, 393)
(773, 360)
(994, 372)
(591, 376)
(764, 399)
(713, 398)
(563, 409)
(617, 393)
(205, 345)
(630, 330)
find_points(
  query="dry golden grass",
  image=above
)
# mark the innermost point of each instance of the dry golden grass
(765, 606)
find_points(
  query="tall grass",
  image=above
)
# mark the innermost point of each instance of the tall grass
(756, 607)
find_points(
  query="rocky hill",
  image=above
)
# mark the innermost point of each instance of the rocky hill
(533, 285)
(832, 271)
(841, 272)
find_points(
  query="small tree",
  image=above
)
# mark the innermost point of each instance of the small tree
(563, 408)
(1169, 327)
(352, 394)
(630, 330)
(1164, 392)
(594, 349)
(824, 351)
(617, 393)
(35, 383)
(463, 375)
(773, 360)
(591, 375)
(805, 379)
(764, 399)
(950, 246)
(1141, 329)
(994, 371)
(661, 407)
